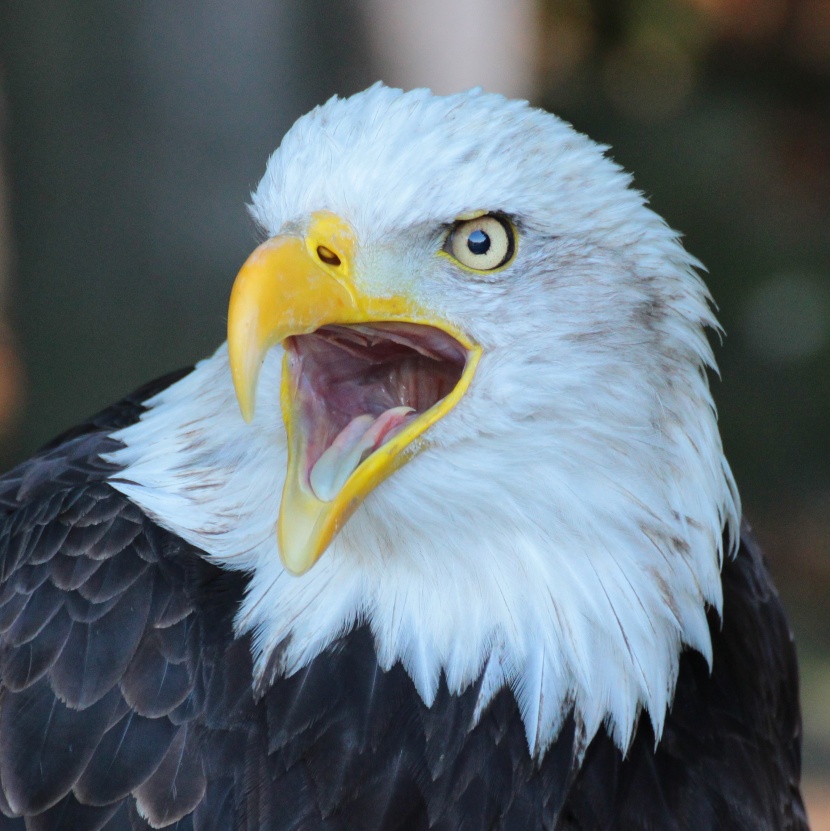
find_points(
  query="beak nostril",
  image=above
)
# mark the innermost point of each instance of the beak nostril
(327, 255)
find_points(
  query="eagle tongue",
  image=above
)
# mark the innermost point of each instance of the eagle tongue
(360, 437)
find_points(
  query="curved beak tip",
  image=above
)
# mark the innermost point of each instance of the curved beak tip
(247, 412)
(244, 384)
(299, 562)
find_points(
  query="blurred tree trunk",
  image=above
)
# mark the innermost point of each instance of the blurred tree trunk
(452, 45)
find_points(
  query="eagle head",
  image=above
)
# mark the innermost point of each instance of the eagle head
(464, 400)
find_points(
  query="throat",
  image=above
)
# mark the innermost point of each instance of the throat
(354, 388)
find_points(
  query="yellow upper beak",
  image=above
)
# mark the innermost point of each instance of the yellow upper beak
(293, 286)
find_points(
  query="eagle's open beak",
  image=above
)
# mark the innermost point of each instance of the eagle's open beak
(363, 377)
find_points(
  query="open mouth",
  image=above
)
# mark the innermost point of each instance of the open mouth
(356, 387)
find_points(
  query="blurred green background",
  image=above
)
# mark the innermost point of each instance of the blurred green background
(133, 133)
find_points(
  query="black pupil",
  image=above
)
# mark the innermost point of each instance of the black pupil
(478, 242)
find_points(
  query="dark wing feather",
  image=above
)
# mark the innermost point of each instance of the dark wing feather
(45, 745)
(177, 785)
(70, 814)
(26, 664)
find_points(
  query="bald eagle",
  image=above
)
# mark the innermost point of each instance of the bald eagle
(443, 538)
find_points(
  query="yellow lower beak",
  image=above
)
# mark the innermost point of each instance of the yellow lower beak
(293, 286)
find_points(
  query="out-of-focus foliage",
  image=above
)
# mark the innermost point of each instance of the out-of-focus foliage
(722, 110)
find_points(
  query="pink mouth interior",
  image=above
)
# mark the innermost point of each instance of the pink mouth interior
(358, 386)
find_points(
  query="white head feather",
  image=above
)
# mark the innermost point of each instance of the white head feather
(563, 531)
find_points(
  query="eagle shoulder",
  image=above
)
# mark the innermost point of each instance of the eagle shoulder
(113, 633)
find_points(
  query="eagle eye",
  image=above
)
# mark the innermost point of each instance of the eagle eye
(484, 243)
